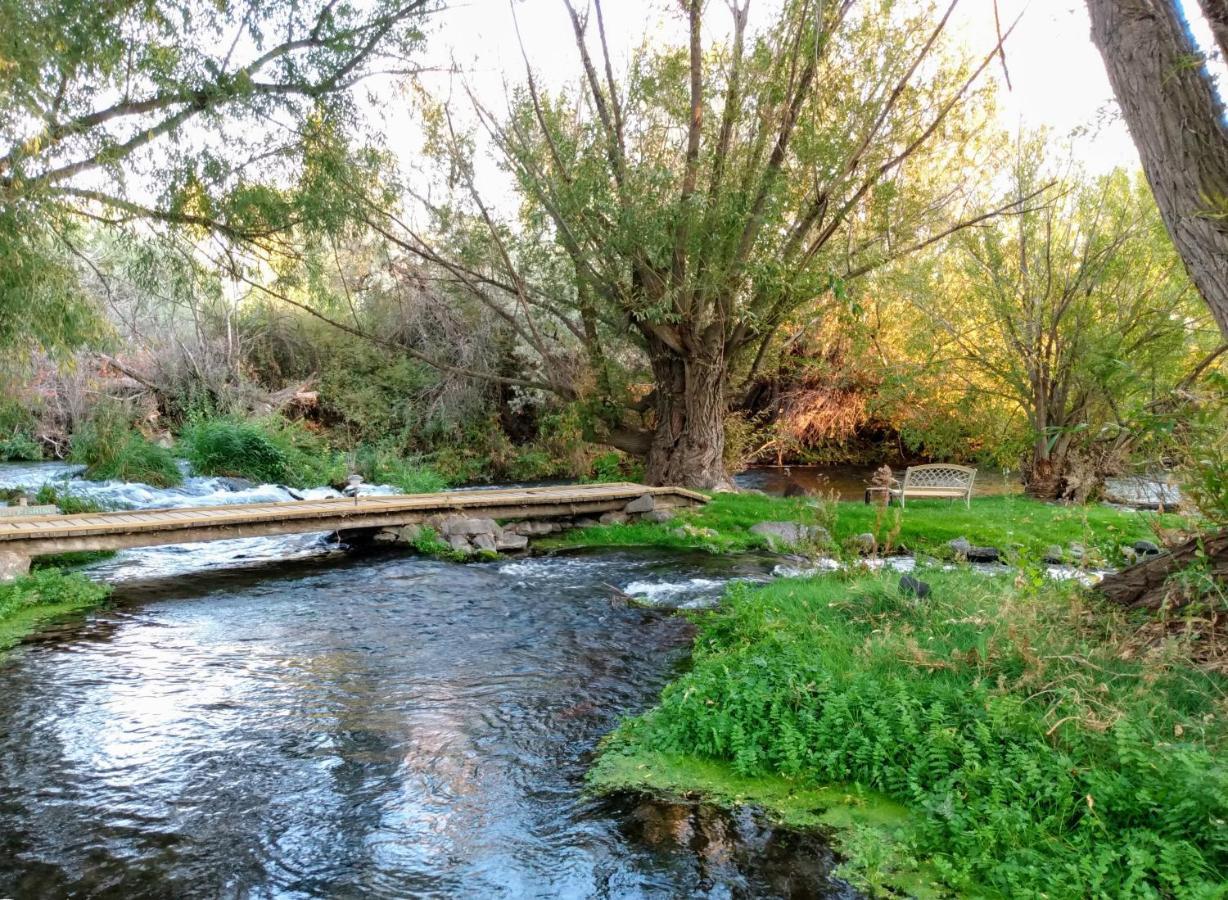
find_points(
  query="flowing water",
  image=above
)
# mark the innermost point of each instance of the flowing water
(264, 718)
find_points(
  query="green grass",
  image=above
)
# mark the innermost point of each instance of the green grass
(1037, 749)
(272, 451)
(379, 466)
(42, 596)
(1008, 523)
(111, 449)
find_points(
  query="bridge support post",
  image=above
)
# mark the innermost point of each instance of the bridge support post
(13, 565)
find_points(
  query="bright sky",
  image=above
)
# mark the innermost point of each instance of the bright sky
(1057, 75)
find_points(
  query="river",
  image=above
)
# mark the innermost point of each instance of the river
(267, 718)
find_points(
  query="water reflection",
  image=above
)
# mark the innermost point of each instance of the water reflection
(384, 726)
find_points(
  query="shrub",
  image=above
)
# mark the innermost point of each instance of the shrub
(272, 450)
(20, 447)
(46, 588)
(111, 448)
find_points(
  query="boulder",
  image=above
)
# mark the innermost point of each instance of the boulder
(642, 504)
(485, 542)
(460, 543)
(468, 527)
(511, 542)
(537, 528)
(910, 584)
(1054, 555)
(410, 534)
(790, 533)
(659, 515)
(613, 518)
(585, 522)
(1146, 548)
(865, 543)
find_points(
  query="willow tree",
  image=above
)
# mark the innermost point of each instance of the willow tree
(702, 197)
(1170, 102)
(228, 118)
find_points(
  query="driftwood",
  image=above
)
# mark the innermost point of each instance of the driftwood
(1145, 585)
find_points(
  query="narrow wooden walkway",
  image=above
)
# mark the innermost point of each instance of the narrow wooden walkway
(28, 536)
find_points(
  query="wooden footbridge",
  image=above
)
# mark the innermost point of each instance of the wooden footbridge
(23, 537)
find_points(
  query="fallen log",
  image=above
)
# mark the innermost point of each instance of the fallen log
(1147, 585)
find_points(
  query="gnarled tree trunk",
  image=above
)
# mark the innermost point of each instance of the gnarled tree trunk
(688, 441)
(1176, 120)
(1146, 585)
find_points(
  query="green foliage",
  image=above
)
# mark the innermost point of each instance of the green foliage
(1040, 758)
(272, 450)
(43, 594)
(1205, 452)
(110, 447)
(20, 447)
(379, 466)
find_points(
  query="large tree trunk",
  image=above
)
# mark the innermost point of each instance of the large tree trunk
(1146, 585)
(1176, 121)
(688, 442)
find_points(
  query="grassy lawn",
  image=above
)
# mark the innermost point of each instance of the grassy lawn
(42, 596)
(1005, 736)
(1005, 522)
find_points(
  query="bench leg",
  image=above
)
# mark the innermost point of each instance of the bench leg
(13, 565)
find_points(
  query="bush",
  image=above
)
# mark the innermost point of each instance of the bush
(41, 595)
(1041, 757)
(380, 466)
(20, 447)
(112, 449)
(273, 451)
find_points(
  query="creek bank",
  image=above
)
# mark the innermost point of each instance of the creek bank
(1003, 715)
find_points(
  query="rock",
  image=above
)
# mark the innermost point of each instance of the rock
(1147, 548)
(963, 549)
(613, 518)
(464, 526)
(659, 515)
(510, 542)
(793, 489)
(1077, 552)
(790, 533)
(537, 528)
(585, 522)
(485, 542)
(410, 534)
(460, 543)
(234, 483)
(1054, 555)
(13, 565)
(386, 536)
(915, 586)
(1129, 554)
(865, 543)
(641, 504)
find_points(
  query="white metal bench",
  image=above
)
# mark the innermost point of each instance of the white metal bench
(937, 481)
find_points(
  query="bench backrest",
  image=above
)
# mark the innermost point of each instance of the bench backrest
(939, 475)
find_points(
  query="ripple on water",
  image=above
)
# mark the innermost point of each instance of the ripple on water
(384, 727)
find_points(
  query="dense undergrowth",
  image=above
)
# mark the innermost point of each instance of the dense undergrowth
(110, 448)
(270, 450)
(45, 594)
(1040, 751)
